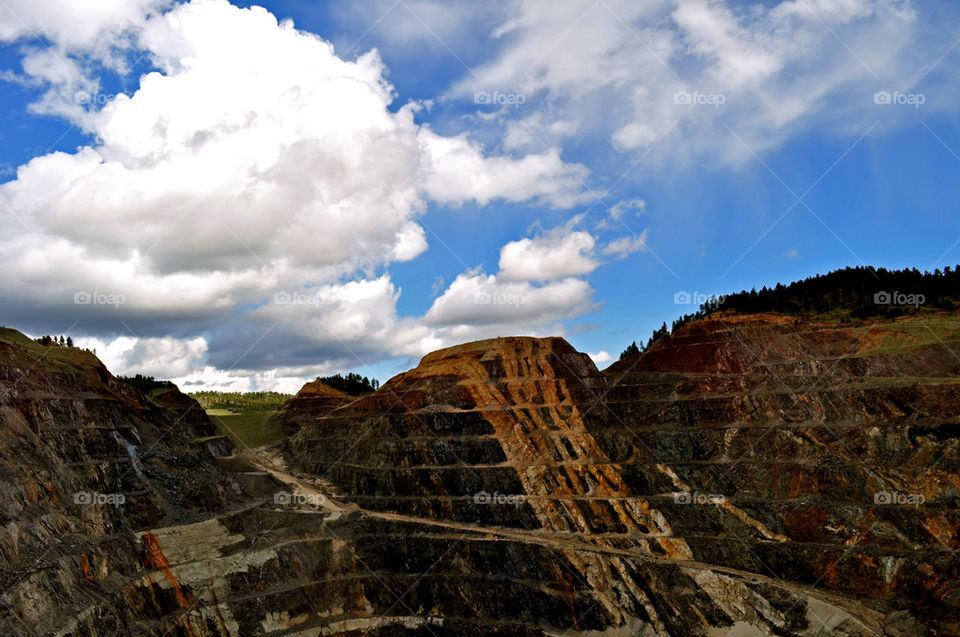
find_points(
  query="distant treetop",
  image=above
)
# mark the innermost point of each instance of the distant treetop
(241, 402)
(353, 384)
(55, 340)
(858, 293)
(863, 291)
(146, 384)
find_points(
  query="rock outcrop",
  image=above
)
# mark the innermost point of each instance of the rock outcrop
(314, 400)
(749, 475)
(86, 460)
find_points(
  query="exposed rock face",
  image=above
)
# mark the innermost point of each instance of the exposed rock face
(840, 440)
(314, 400)
(737, 474)
(85, 460)
(734, 480)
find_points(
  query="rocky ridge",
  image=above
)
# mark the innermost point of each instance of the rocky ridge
(748, 475)
(314, 400)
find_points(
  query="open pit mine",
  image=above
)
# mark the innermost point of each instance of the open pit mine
(750, 474)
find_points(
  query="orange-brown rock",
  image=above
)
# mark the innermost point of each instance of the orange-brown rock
(741, 447)
(748, 475)
(315, 399)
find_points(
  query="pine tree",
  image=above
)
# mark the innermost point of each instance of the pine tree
(850, 290)
(632, 350)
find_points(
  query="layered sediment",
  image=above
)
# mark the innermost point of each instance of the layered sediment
(314, 400)
(747, 475)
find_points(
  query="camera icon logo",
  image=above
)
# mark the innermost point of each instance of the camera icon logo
(281, 298)
(682, 298)
(482, 97)
(82, 298)
(882, 97)
(882, 497)
(682, 97)
(282, 497)
(882, 298)
(684, 497)
(481, 497)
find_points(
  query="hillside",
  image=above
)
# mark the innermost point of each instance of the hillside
(315, 399)
(750, 474)
(840, 296)
(87, 462)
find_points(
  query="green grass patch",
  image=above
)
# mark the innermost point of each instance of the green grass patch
(904, 336)
(12, 336)
(249, 403)
(21, 351)
(246, 430)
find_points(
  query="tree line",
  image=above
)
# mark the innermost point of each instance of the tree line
(353, 384)
(859, 293)
(55, 340)
(146, 384)
(241, 402)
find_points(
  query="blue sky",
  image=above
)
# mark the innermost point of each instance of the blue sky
(246, 207)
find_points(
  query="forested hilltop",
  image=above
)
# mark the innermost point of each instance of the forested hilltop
(353, 384)
(264, 401)
(847, 294)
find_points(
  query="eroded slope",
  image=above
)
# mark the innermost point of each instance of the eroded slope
(729, 481)
(525, 436)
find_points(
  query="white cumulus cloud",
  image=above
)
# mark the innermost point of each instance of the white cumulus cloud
(558, 254)
(477, 299)
(456, 171)
(252, 162)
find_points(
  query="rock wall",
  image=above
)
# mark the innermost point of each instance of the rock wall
(737, 449)
(314, 400)
(749, 475)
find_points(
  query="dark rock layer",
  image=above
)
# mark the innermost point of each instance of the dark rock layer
(747, 476)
